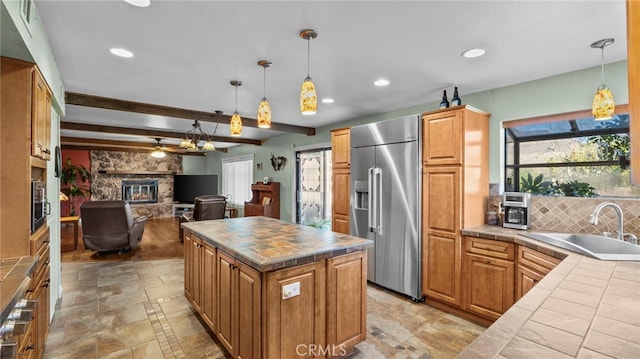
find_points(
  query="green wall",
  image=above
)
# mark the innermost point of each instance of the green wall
(567, 92)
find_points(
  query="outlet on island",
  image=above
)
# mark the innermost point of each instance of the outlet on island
(291, 290)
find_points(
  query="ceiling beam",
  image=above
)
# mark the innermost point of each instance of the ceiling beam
(78, 99)
(147, 133)
(100, 144)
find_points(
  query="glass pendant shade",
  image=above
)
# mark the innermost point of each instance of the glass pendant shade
(208, 146)
(186, 143)
(236, 124)
(603, 106)
(264, 114)
(158, 153)
(308, 97)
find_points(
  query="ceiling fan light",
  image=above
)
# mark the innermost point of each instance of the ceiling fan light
(158, 153)
(308, 98)
(264, 114)
(603, 107)
(236, 124)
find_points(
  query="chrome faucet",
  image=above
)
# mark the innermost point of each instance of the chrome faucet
(596, 212)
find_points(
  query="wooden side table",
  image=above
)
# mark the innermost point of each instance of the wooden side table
(73, 220)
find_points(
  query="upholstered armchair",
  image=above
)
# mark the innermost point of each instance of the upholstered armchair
(109, 226)
(205, 207)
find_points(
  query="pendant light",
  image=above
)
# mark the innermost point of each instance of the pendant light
(308, 96)
(603, 107)
(236, 121)
(264, 109)
(159, 151)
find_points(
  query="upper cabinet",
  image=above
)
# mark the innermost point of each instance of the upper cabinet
(40, 117)
(340, 147)
(341, 172)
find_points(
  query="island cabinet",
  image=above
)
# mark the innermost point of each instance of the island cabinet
(488, 268)
(532, 267)
(280, 290)
(455, 175)
(340, 179)
(200, 276)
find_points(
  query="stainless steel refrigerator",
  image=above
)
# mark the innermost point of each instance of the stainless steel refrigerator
(385, 200)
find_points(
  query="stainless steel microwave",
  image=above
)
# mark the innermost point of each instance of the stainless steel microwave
(38, 204)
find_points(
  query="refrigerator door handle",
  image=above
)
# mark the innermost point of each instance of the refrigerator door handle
(374, 199)
(378, 182)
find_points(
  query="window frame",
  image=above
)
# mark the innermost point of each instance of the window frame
(228, 160)
(567, 116)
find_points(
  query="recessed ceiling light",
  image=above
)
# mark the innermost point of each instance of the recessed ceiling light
(139, 3)
(381, 82)
(328, 100)
(472, 53)
(121, 52)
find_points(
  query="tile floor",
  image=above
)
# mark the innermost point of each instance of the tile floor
(137, 309)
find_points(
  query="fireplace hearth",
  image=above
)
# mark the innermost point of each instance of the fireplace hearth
(140, 191)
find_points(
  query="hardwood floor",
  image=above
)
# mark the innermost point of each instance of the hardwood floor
(159, 241)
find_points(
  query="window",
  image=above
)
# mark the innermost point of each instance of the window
(570, 156)
(237, 177)
(314, 188)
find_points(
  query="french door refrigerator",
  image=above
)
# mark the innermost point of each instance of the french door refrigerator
(385, 200)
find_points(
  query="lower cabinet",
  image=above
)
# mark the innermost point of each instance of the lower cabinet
(287, 313)
(39, 290)
(488, 268)
(532, 267)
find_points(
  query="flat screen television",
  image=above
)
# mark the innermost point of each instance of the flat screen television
(187, 187)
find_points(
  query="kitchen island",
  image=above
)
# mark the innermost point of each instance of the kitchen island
(271, 289)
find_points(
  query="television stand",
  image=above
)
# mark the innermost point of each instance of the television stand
(177, 209)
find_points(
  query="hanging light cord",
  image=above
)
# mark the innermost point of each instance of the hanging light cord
(602, 48)
(264, 81)
(308, 55)
(236, 86)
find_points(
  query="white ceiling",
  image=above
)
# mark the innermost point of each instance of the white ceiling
(186, 52)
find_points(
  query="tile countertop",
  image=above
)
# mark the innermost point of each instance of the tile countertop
(268, 244)
(14, 281)
(585, 308)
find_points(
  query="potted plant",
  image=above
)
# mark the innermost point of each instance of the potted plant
(69, 178)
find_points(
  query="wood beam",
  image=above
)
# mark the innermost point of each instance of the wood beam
(78, 99)
(100, 144)
(147, 133)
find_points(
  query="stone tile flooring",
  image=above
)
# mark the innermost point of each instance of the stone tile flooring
(137, 309)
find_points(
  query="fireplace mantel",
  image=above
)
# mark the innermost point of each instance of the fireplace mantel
(118, 172)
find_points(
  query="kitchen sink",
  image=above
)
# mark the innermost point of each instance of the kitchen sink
(591, 245)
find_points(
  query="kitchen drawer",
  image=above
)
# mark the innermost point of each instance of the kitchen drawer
(39, 239)
(535, 260)
(490, 248)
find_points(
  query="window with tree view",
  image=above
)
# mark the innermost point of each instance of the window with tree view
(577, 157)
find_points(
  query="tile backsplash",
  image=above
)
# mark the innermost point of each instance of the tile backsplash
(572, 214)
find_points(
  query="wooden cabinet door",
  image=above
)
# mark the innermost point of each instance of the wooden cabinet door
(208, 280)
(249, 312)
(488, 285)
(196, 272)
(441, 240)
(340, 203)
(294, 318)
(188, 265)
(442, 138)
(41, 117)
(346, 300)
(526, 279)
(341, 148)
(227, 301)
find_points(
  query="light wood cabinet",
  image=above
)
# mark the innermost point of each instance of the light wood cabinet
(455, 175)
(208, 297)
(532, 267)
(41, 118)
(340, 167)
(39, 290)
(296, 319)
(488, 268)
(265, 200)
(346, 312)
(238, 307)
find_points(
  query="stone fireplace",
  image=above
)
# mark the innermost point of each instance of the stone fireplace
(140, 191)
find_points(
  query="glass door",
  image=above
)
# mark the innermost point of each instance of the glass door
(313, 188)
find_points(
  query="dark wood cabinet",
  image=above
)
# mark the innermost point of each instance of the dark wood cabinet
(265, 200)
